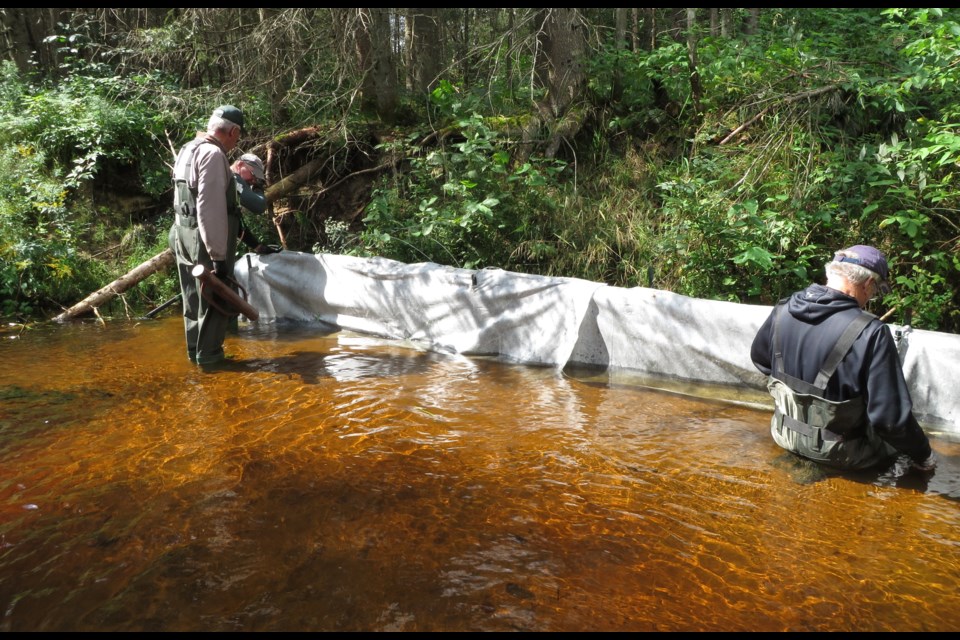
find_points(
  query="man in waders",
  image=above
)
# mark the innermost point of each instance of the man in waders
(249, 174)
(206, 228)
(835, 374)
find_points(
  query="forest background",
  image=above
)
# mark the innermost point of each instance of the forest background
(716, 153)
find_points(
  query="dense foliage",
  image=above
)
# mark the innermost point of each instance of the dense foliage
(821, 129)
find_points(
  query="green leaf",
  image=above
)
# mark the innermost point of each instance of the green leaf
(755, 255)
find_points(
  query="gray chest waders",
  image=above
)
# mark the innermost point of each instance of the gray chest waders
(205, 322)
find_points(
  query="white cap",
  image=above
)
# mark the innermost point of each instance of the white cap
(255, 164)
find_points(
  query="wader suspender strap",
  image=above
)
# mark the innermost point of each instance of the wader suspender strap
(777, 348)
(188, 165)
(840, 349)
(189, 211)
(186, 208)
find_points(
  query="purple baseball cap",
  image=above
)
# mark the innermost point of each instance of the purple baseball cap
(869, 258)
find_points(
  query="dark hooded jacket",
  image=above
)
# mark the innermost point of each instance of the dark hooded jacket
(871, 369)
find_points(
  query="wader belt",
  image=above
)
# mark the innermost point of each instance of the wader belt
(803, 428)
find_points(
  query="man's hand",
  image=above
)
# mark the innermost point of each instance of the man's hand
(220, 269)
(241, 169)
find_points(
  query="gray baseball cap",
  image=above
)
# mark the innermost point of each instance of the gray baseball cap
(255, 164)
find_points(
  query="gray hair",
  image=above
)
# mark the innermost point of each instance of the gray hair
(849, 271)
(222, 125)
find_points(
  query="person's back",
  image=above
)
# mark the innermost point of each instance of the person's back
(835, 374)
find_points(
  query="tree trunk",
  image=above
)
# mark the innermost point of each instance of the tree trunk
(564, 45)
(466, 68)
(375, 60)
(510, 38)
(425, 54)
(290, 183)
(559, 65)
(620, 41)
(753, 22)
(384, 67)
(409, 75)
(24, 31)
(295, 180)
(696, 92)
(648, 31)
(726, 23)
(16, 46)
(364, 53)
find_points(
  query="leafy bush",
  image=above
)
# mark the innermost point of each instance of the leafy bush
(53, 141)
(461, 202)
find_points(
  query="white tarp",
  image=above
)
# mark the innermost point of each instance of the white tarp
(530, 319)
(560, 321)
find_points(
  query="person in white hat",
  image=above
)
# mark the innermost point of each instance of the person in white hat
(251, 180)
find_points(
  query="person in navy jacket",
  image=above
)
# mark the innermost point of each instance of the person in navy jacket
(835, 374)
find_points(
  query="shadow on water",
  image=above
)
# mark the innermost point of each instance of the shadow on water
(288, 331)
(313, 366)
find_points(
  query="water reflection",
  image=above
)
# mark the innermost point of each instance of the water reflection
(329, 481)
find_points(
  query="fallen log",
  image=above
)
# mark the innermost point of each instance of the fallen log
(293, 181)
(296, 138)
(118, 286)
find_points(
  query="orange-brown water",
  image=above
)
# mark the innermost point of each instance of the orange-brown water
(336, 482)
